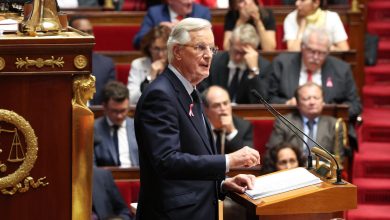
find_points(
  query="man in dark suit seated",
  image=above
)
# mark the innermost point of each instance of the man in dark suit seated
(181, 173)
(169, 14)
(115, 143)
(309, 118)
(103, 67)
(240, 69)
(107, 202)
(236, 131)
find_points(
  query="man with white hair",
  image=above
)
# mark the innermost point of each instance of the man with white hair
(240, 69)
(181, 173)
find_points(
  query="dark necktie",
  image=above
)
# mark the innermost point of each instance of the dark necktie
(310, 125)
(116, 142)
(197, 111)
(218, 135)
(233, 87)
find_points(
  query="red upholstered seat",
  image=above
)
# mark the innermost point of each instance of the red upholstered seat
(114, 38)
(218, 35)
(129, 189)
(261, 131)
(134, 5)
(122, 72)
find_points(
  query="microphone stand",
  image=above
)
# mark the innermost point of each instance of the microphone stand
(287, 122)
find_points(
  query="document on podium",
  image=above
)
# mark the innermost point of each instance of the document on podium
(282, 182)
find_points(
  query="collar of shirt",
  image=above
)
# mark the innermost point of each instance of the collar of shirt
(187, 85)
(123, 125)
(305, 120)
(316, 77)
(232, 65)
(172, 14)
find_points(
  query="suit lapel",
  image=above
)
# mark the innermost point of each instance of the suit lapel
(294, 74)
(185, 101)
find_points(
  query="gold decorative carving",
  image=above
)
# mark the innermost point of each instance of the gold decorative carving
(80, 61)
(29, 181)
(2, 63)
(40, 62)
(82, 146)
(16, 154)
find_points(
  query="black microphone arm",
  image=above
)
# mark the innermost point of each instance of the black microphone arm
(288, 123)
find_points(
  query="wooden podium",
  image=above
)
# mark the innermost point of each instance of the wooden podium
(45, 128)
(320, 201)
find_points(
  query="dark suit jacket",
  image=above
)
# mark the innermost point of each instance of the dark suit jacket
(103, 69)
(104, 152)
(285, 80)
(325, 133)
(219, 75)
(243, 138)
(106, 198)
(159, 13)
(180, 171)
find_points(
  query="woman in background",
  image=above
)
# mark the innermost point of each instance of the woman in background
(250, 11)
(145, 69)
(309, 12)
(281, 157)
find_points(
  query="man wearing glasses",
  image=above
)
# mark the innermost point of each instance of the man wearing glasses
(181, 173)
(114, 137)
(314, 64)
(240, 69)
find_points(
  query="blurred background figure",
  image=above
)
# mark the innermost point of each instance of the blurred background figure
(329, 2)
(107, 202)
(250, 11)
(309, 119)
(240, 69)
(236, 131)
(114, 139)
(309, 13)
(103, 67)
(169, 14)
(145, 69)
(281, 157)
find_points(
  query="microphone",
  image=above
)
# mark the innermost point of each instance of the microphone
(288, 124)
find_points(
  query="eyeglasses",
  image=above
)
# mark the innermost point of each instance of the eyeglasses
(159, 49)
(203, 48)
(312, 52)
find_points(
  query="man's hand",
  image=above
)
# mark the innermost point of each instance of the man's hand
(227, 123)
(245, 157)
(239, 183)
(251, 57)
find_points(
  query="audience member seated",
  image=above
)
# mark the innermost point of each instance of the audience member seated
(145, 69)
(310, 120)
(235, 131)
(107, 202)
(314, 64)
(281, 157)
(169, 14)
(103, 67)
(249, 11)
(214, 3)
(240, 69)
(309, 13)
(114, 139)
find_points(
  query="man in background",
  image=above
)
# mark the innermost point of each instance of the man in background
(169, 14)
(115, 143)
(235, 131)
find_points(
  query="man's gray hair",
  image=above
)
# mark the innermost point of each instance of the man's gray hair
(246, 34)
(180, 33)
(320, 32)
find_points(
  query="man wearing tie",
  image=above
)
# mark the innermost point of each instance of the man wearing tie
(181, 174)
(231, 132)
(309, 119)
(114, 137)
(240, 69)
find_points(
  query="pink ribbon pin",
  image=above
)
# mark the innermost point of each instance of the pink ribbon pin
(329, 82)
(191, 113)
